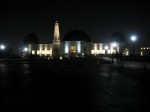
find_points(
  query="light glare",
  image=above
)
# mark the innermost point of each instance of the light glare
(106, 47)
(114, 44)
(133, 38)
(79, 47)
(66, 48)
(25, 49)
(2, 47)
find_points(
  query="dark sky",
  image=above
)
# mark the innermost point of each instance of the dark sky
(98, 20)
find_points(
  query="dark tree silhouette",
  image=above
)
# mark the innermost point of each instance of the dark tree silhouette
(31, 38)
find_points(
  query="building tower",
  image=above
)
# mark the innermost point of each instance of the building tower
(56, 41)
(56, 32)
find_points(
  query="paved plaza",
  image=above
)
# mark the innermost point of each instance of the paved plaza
(75, 88)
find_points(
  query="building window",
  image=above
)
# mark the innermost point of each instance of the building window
(141, 53)
(38, 52)
(33, 52)
(72, 49)
(95, 47)
(43, 52)
(48, 52)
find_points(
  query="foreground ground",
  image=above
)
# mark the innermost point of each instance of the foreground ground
(75, 88)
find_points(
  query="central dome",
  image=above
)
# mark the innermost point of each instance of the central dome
(76, 35)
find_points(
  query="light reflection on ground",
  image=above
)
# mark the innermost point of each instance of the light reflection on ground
(104, 88)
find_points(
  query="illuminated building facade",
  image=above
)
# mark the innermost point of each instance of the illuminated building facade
(75, 43)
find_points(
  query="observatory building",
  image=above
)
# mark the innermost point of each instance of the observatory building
(75, 43)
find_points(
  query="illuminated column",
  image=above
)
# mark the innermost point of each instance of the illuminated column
(141, 53)
(40, 49)
(101, 48)
(95, 49)
(50, 49)
(30, 49)
(111, 48)
(46, 51)
(66, 48)
(79, 47)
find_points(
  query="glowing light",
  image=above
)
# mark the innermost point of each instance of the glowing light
(106, 47)
(2, 47)
(73, 49)
(61, 58)
(92, 51)
(141, 48)
(25, 49)
(38, 52)
(114, 44)
(66, 48)
(43, 52)
(141, 53)
(33, 51)
(79, 47)
(133, 38)
(47, 52)
(95, 47)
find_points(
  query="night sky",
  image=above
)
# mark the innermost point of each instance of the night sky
(98, 20)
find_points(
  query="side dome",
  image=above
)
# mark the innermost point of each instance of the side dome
(31, 38)
(76, 35)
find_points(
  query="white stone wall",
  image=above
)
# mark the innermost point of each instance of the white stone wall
(100, 48)
(40, 49)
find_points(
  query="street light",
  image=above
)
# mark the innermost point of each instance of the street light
(25, 49)
(2, 47)
(133, 39)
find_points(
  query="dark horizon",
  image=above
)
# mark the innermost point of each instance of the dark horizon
(98, 20)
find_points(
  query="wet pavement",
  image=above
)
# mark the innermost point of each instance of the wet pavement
(75, 88)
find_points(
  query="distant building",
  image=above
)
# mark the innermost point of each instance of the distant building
(145, 51)
(75, 43)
